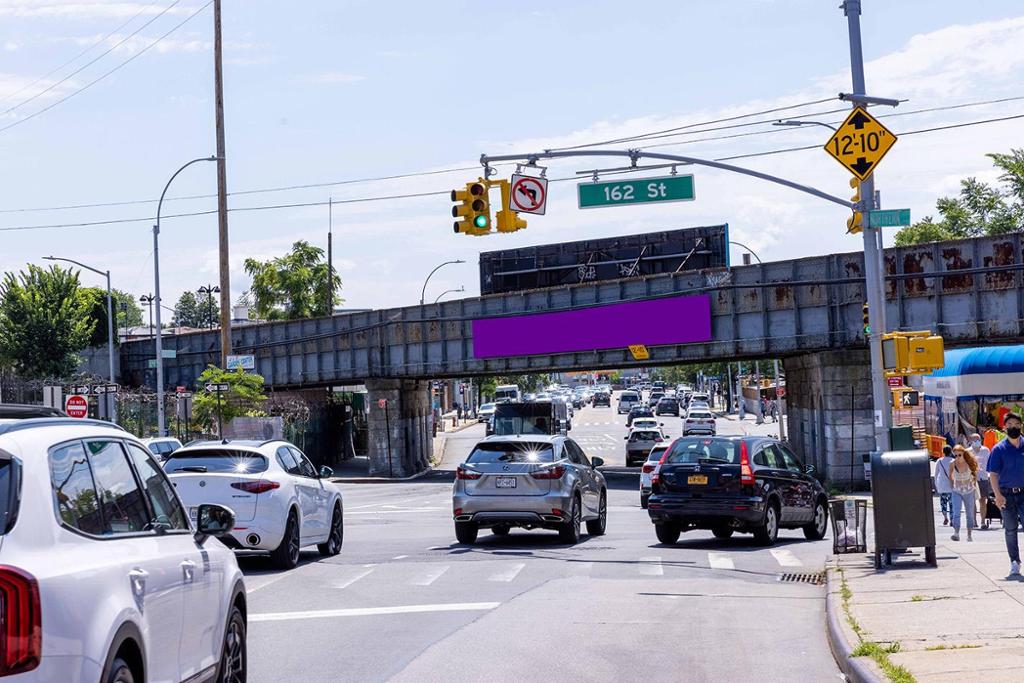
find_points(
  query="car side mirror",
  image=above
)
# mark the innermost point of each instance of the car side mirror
(596, 462)
(626, 438)
(661, 424)
(326, 472)
(213, 520)
(809, 469)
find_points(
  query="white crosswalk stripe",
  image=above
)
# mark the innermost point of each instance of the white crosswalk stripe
(348, 582)
(720, 561)
(430, 576)
(651, 566)
(507, 575)
(786, 558)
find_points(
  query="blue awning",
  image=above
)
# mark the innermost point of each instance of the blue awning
(982, 360)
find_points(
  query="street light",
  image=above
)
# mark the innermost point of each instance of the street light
(161, 417)
(110, 314)
(209, 291)
(462, 288)
(423, 292)
(147, 300)
(749, 250)
(796, 123)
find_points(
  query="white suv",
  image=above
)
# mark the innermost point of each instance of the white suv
(99, 568)
(280, 501)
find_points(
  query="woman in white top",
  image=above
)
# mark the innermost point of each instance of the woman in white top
(964, 477)
(981, 453)
(943, 484)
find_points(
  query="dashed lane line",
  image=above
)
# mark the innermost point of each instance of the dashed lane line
(651, 566)
(720, 561)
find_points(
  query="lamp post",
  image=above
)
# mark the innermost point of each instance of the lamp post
(423, 292)
(749, 250)
(209, 291)
(796, 123)
(147, 300)
(462, 288)
(160, 409)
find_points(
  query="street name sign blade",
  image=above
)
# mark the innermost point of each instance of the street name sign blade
(529, 194)
(214, 388)
(673, 188)
(888, 218)
(860, 143)
(106, 389)
(82, 389)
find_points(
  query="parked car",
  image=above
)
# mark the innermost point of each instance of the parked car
(162, 447)
(602, 398)
(638, 412)
(667, 406)
(639, 443)
(727, 484)
(18, 411)
(627, 401)
(699, 421)
(103, 575)
(648, 469)
(485, 412)
(654, 397)
(529, 482)
(281, 502)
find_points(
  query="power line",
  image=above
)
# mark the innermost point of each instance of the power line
(76, 57)
(108, 73)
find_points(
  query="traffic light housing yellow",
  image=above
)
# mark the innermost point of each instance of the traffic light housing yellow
(866, 317)
(855, 223)
(912, 353)
(473, 208)
(508, 220)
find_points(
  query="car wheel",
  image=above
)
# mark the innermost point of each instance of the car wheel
(286, 555)
(570, 529)
(815, 531)
(120, 672)
(768, 532)
(501, 530)
(643, 501)
(722, 532)
(465, 532)
(233, 658)
(668, 533)
(596, 527)
(337, 537)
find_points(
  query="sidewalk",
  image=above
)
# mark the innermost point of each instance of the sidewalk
(962, 621)
(748, 425)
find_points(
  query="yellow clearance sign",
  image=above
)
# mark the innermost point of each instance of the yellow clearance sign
(860, 143)
(639, 352)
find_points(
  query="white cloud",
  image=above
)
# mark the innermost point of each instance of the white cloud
(333, 78)
(83, 9)
(20, 87)
(11, 46)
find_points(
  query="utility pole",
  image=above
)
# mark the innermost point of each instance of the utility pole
(873, 270)
(330, 256)
(222, 191)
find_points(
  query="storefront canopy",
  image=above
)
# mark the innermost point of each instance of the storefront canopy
(979, 371)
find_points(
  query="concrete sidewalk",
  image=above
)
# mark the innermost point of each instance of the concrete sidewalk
(962, 621)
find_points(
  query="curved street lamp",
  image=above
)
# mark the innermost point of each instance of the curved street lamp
(423, 292)
(749, 250)
(462, 288)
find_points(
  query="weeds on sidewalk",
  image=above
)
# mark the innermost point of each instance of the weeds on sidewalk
(934, 648)
(868, 648)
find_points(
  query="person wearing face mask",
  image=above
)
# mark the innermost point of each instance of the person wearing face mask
(943, 483)
(1006, 474)
(981, 453)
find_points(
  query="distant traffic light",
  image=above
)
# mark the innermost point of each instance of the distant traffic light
(867, 318)
(474, 208)
(508, 220)
(855, 223)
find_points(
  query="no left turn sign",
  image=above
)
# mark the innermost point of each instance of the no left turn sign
(529, 194)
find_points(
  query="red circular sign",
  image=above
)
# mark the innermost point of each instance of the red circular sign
(77, 406)
(528, 194)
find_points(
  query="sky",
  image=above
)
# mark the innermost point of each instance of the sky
(100, 102)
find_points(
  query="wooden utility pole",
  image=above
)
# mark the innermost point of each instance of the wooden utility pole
(222, 192)
(330, 256)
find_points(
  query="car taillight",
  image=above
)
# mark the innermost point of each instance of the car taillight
(555, 472)
(260, 486)
(746, 474)
(466, 474)
(21, 631)
(648, 468)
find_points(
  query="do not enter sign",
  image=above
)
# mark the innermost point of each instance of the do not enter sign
(76, 406)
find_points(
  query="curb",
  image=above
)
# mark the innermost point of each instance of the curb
(380, 480)
(854, 668)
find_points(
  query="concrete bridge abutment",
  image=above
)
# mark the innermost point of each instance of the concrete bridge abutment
(400, 443)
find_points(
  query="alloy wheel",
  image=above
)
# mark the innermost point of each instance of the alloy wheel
(232, 666)
(293, 543)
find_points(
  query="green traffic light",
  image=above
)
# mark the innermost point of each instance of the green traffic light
(480, 221)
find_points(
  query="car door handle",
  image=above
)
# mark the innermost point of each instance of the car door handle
(188, 570)
(138, 577)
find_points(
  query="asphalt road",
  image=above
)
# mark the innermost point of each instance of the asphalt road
(405, 602)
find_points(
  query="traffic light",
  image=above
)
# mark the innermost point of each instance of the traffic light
(508, 220)
(473, 208)
(865, 315)
(855, 223)
(912, 353)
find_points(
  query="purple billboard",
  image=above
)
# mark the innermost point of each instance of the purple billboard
(653, 322)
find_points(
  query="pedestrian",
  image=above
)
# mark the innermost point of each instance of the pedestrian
(773, 410)
(943, 484)
(964, 476)
(458, 410)
(1006, 473)
(981, 453)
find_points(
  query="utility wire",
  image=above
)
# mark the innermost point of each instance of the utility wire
(76, 57)
(108, 73)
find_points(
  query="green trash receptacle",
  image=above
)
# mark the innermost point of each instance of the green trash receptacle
(902, 438)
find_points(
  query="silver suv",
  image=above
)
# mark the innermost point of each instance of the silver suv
(531, 482)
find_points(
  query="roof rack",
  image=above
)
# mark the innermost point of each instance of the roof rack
(33, 422)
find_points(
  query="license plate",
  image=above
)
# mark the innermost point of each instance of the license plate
(193, 514)
(697, 479)
(505, 482)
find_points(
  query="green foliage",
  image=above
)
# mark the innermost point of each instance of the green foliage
(528, 384)
(127, 310)
(244, 399)
(292, 286)
(44, 321)
(95, 299)
(979, 209)
(195, 311)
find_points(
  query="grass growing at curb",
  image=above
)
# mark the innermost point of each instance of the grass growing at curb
(867, 648)
(916, 598)
(935, 648)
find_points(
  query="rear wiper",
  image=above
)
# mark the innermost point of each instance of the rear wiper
(194, 468)
(715, 460)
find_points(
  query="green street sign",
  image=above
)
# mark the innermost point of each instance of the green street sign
(888, 218)
(673, 188)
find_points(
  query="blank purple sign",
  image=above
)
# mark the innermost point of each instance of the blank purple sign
(653, 322)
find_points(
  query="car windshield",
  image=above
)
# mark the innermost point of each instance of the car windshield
(487, 406)
(644, 435)
(694, 451)
(697, 415)
(221, 461)
(645, 423)
(628, 396)
(656, 453)
(511, 451)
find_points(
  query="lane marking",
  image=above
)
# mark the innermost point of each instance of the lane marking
(651, 566)
(374, 611)
(509, 574)
(399, 557)
(392, 512)
(720, 561)
(430, 577)
(786, 558)
(440, 547)
(346, 584)
(271, 579)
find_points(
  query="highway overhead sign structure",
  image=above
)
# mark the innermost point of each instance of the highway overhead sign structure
(673, 188)
(860, 143)
(529, 194)
(77, 406)
(888, 218)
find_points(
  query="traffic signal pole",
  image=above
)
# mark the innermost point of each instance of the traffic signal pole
(874, 283)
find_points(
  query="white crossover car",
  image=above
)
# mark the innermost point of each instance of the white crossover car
(281, 503)
(103, 575)
(648, 469)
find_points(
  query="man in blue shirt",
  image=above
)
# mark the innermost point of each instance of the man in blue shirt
(1006, 472)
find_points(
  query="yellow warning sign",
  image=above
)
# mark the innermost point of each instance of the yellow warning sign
(860, 143)
(639, 352)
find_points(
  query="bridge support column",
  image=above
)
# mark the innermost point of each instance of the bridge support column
(831, 419)
(400, 443)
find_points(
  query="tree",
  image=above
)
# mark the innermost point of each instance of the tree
(979, 209)
(244, 399)
(127, 310)
(44, 321)
(528, 384)
(195, 311)
(96, 300)
(292, 286)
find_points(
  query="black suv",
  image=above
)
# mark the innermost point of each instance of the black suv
(667, 406)
(638, 411)
(725, 484)
(602, 398)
